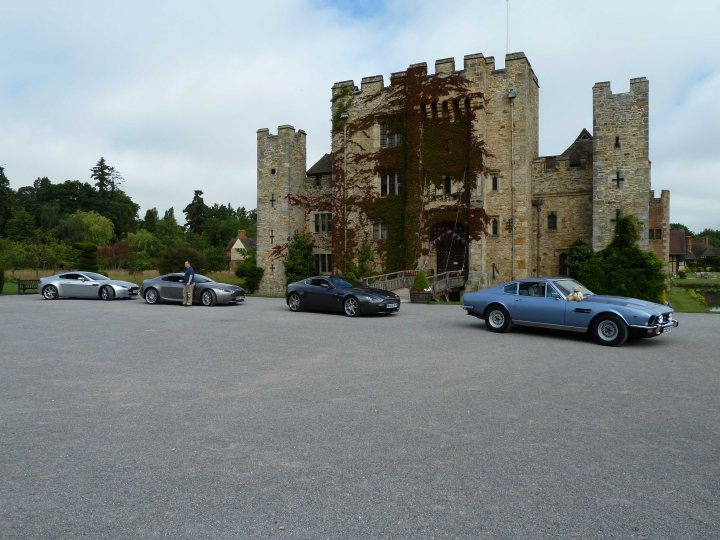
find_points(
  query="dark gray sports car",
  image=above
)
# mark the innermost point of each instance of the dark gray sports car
(340, 295)
(169, 288)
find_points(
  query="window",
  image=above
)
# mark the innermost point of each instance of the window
(510, 288)
(495, 183)
(617, 141)
(495, 224)
(552, 221)
(532, 288)
(322, 223)
(379, 230)
(389, 136)
(390, 184)
(655, 234)
(447, 185)
(323, 262)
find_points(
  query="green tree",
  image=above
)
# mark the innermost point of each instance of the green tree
(7, 198)
(86, 227)
(21, 227)
(622, 268)
(363, 268)
(173, 260)
(248, 271)
(105, 176)
(87, 256)
(299, 262)
(150, 221)
(196, 213)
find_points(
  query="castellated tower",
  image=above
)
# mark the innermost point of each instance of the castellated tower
(280, 171)
(621, 168)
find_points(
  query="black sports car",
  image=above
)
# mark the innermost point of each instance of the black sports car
(342, 295)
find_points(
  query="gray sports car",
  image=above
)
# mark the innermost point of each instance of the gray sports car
(169, 288)
(85, 285)
(564, 304)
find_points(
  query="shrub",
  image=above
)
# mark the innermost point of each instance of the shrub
(2, 279)
(249, 272)
(87, 258)
(299, 261)
(421, 282)
(682, 274)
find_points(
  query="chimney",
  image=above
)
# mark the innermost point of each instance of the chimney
(706, 243)
(241, 234)
(688, 244)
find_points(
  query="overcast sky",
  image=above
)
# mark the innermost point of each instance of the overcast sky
(172, 92)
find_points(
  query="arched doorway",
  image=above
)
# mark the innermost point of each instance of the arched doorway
(449, 242)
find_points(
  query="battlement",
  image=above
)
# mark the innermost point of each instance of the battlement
(284, 131)
(474, 65)
(639, 86)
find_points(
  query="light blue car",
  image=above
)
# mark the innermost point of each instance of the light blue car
(565, 304)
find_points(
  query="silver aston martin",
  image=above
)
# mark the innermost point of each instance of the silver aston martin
(169, 288)
(85, 285)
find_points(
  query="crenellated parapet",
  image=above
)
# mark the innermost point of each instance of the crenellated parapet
(475, 66)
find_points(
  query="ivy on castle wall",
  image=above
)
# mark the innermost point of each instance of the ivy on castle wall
(433, 146)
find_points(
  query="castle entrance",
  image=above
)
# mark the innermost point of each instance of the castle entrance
(449, 242)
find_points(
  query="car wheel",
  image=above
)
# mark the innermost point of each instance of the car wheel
(351, 307)
(294, 302)
(497, 319)
(106, 293)
(610, 330)
(152, 296)
(208, 298)
(50, 293)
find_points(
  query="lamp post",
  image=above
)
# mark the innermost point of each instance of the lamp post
(344, 117)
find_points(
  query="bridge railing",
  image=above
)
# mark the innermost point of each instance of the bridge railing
(441, 284)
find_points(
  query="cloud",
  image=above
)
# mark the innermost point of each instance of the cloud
(171, 93)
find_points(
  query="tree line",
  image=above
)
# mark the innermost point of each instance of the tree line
(49, 225)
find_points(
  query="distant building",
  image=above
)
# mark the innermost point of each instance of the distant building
(443, 172)
(234, 251)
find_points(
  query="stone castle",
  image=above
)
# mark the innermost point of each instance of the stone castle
(442, 172)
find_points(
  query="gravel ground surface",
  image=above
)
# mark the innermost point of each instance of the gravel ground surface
(124, 420)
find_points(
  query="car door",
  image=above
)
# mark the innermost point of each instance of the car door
(88, 287)
(536, 304)
(171, 288)
(70, 285)
(317, 294)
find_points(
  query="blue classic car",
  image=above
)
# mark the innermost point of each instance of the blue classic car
(565, 304)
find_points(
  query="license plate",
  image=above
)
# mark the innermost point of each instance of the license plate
(391, 305)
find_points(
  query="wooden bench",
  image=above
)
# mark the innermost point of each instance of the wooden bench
(27, 285)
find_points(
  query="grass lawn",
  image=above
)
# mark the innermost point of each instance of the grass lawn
(683, 303)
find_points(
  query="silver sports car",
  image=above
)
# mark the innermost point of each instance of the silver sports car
(169, 288)
(85, 285)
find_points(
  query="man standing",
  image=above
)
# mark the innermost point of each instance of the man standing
(188, 284)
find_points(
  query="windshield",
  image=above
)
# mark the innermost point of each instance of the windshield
(565, 286)
(95, 277)
(343, 283)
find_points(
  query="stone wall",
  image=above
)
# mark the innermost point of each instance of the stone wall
(620, 150)
(281, 167)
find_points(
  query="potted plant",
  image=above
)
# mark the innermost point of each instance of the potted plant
(421, 292)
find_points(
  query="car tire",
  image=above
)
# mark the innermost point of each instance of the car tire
(294, 302)
(208, 298)
(106, 293)
(497, 319)
(610, 330)
(351, 306)
(152, 296)
(50, 292)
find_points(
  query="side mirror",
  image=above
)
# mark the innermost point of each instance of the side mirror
(325, 285)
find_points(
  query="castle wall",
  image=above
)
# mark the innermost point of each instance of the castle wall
(566, 192)
(448, 97)
(660, 221)
(620, 149)
(281, 167)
